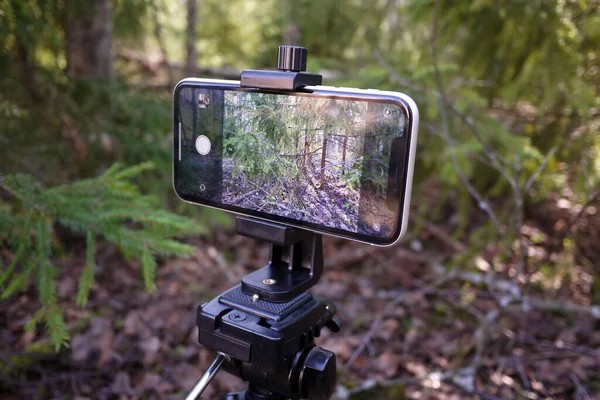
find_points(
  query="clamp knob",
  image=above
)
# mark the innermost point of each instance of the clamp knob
(292, 58)
(318, 375)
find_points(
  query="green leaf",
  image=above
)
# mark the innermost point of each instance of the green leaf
(132, 172)
(19, 281)
(55, 324)
(148, 270)
(46, 271)
(87, 275)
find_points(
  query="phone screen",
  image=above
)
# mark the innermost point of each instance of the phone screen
(333, 164)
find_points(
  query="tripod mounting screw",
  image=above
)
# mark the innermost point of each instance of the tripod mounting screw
(237, 316)
(292, 58)
(318, 375)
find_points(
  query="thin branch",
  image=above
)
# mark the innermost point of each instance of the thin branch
(560, 345)
(519, 216)
(452, 142)
(483, 204)
(522, 374)
(531, 303)
(397, 78)
(446, 130)
(461, 378)
(592, 199)
(374, 329)
(390, 306)
(582, 393)
(542, 166)
(23, 199)
(489, 152)
(220, 260)
(158, 34)
(588, 181)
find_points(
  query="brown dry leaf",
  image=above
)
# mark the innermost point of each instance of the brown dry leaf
(165, 387)
(186, 376)
(331, 290)
(174, 288)
(121, 384)
(415, 299)
(412, 335)
(147, 381)
(230, 382)
(130, 325)
(97, 340)
(135, 326)
(567, 335)
(27, 338)
(545, 370)
(66, 287)
(388, 364)
(416, 368)
(389, 329)
(342, 348)
(150, 347)
(447, 347)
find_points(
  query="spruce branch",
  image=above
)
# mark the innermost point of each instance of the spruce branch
(110, 206)
(86, 279)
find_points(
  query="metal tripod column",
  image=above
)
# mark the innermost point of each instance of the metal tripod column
(206, 378)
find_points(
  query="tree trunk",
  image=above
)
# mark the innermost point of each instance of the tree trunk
(306, 148)
(292, 36)
(324, 152)
(192, 55)
(158, 34)
(344, 145)
(28, 72)
(88, 39)
(370, 147)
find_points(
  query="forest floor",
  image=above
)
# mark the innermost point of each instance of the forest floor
(335, 205)
(411, 328)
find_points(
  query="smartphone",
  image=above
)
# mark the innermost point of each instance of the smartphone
(336, 161)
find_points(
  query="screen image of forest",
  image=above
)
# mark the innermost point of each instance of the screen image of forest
(318, 160)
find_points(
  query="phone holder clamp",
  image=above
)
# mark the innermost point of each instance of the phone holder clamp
(264, 328)
(290, 74)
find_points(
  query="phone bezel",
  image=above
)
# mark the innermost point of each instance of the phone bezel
(397, 98)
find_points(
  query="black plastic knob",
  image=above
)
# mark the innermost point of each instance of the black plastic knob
(292, 58)
(318, 375)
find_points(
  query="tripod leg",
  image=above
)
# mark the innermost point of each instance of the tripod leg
(206, 378)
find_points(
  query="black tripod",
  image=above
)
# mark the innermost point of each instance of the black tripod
(264, 328)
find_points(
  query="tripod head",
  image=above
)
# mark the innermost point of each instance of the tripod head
(264, 328)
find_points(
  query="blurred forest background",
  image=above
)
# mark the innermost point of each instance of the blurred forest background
(495, 292)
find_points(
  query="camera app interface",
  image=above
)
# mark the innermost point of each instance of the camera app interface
(330, 162)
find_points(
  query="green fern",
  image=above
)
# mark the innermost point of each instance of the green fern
(111, 207)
